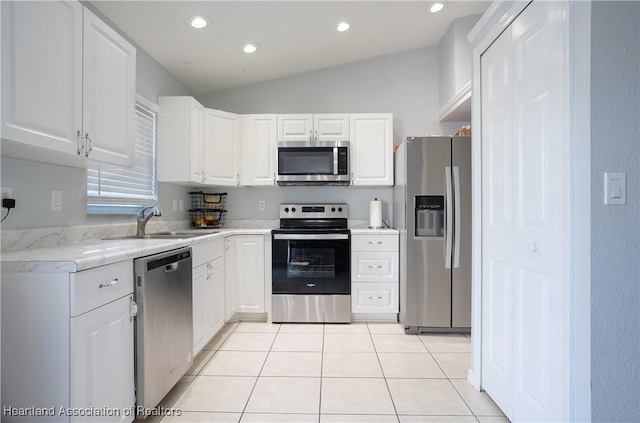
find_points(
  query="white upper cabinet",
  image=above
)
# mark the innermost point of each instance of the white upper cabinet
(259, 142)
(65, 74)
(295, 127)
(108, 93)
(180, 140)
(371, 149)
(331, 127)
(221, 148)
(308, 127)
(42, 74)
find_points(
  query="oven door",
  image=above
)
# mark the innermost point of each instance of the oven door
(311, 263)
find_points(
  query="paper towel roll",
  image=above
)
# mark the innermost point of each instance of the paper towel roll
(375, 214)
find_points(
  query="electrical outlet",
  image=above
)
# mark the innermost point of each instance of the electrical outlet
(56, 200)
(7, 192)
(261, 205)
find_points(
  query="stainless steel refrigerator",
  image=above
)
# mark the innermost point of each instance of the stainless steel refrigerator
(432, 210)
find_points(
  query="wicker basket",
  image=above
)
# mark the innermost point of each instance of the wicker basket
(207, 201)
(207, 218)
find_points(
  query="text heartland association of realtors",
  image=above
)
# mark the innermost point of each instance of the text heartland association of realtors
(88, 411)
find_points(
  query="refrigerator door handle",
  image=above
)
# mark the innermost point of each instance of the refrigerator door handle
(456, 213)
(448, 231)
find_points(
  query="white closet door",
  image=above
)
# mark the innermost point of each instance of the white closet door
(497, 223)
(525, 208)
(541, 146)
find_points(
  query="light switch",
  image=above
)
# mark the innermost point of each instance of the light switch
(615, 188)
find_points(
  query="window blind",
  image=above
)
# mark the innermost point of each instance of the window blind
(124, 190)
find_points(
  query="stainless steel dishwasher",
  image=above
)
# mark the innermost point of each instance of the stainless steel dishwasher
(164, 324)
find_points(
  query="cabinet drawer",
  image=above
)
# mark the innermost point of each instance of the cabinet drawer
(206, 251)
(374, 297)
(374, 266)
(101, 285)
(374, 242)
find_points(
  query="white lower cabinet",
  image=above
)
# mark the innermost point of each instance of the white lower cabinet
(208, 292)
(374, 277)
(244, 275)
(71, 347)
(102, 353)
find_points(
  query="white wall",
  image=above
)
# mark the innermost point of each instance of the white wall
(615, 230)
(405, 84)
(455, 58)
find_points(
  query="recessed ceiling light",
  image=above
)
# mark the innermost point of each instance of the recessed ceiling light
(250, 48)
(199, 21)
(343, 26)
(436, 7)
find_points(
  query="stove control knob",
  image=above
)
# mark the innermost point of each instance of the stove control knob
(293, 209)
(333, 209)
(340, 209)
(286, 209)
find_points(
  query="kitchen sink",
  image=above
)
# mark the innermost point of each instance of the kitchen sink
(168, 235)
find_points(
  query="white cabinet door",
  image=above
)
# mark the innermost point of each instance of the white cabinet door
(331, 127)
(42, 74)
(108, 93)
(221, 148)
(250, 273)
(295, 127)
(525, 248)
(102, 353)
(259, 144)
(371, 149)
(180, 145)
(230, 279)
(215, 296)
(199, 294)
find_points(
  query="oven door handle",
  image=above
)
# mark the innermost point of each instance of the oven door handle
(319, 237)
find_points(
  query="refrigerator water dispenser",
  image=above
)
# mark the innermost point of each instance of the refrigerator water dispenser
(429, 221)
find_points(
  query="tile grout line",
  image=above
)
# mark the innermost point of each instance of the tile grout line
(244, 410)
(321, 372)
(383, 375)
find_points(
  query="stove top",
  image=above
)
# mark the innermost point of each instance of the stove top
(313, 216)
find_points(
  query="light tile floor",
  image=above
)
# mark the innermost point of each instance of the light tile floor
(362, 372)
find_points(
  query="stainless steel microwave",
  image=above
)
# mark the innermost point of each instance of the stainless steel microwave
(313, 163)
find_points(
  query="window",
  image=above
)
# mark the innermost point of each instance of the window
(125, 190)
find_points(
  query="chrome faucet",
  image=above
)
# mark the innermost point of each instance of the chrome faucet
(142, 219)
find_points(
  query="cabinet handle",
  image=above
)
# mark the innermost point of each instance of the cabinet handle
(311, 285)
(274, 178)
(316, 135)
(310, 135)
(375, 267)
(375, 242)
(80, 145)
(107, 285)
(89, 144)
(133, 309)
(375, 298)
(237, 179)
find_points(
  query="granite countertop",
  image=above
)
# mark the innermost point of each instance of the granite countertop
(94, 253)
(82, 255)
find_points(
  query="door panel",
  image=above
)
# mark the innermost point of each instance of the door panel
(461, 279)
(525, 246)
(497, 224)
